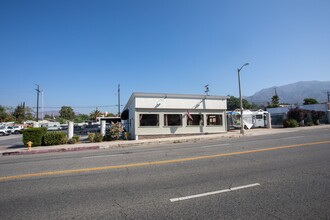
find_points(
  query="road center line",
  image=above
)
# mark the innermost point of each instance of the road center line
(112, 155)
(294, 137)
(214, 192)
(214, 145)
(161, 162)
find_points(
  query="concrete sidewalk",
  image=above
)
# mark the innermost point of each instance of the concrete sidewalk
(116, 144)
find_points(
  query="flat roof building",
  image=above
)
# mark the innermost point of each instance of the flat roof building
(151, 115)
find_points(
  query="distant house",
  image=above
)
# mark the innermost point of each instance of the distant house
(151, 115)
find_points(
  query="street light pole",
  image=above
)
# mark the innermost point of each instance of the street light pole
(240, 96)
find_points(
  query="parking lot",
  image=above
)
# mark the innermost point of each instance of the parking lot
(13, 141)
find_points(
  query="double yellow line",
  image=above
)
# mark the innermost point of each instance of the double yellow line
(60, 172)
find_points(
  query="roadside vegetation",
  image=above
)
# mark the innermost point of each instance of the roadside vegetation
(42, 137)
(299, 117)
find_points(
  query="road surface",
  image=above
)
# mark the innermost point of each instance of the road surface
(280, 176)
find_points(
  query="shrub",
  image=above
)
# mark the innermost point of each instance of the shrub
(72, 141)
(290, 123)
(55, 138)
(115, 130)
(316, 116)
(35, 135)
(91, 137)
(296, 114)
(107, 137)
(98, 137)
(127, 135)
(76, 138)
(308, 119)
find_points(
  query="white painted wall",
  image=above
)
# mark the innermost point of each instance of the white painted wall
(174, 104)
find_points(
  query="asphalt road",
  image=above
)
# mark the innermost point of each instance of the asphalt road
(282, 176)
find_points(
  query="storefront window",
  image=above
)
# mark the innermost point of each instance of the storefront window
(149, 120)
(172, 120)
(195, 119)
(214, 119)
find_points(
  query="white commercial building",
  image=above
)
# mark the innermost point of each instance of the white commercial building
(156, 115)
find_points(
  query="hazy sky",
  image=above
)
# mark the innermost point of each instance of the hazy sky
(78, 51)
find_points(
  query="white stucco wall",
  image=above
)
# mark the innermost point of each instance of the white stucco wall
(174, 104)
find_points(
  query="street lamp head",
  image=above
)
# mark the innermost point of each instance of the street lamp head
(243, 66)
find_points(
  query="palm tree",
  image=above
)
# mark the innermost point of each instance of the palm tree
(94, 114)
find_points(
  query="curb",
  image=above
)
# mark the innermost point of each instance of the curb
(50, 151)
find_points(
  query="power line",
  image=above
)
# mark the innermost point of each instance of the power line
(98, 106)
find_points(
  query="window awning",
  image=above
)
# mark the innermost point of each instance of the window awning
(124, 115)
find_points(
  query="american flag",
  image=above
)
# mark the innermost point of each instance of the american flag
(189, 116)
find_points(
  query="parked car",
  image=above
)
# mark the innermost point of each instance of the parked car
(5, 131)
(15, 129)
(87, 129)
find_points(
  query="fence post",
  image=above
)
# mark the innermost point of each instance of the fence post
(70, 130)
(268, 120)
(103, 127)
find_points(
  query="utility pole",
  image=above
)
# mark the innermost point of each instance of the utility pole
(118, 100)
(38, 91)
(207, 89)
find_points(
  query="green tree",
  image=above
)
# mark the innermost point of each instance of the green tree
(3, 114)
(234, 103)
(310, 101)
(94, 114)
(81, 118)
(67, 113)
(47, 116)
(110, 115)
(275, 102)
(29, 113)
(19, 113)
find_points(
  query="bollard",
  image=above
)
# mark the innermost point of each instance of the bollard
(268, 120)
(103, 127)
(70, 130)
(29, 145)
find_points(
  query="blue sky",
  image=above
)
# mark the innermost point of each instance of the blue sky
(78, 51)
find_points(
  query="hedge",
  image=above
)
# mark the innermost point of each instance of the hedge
(35, 135)
(290, 123)
(55, 138)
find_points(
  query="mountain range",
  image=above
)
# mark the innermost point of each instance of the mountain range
(294, 93)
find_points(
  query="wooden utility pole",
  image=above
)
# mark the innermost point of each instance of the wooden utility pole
(118, 100)
(38, 91)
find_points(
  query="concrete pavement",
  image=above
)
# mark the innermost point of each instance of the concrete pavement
(116, 144)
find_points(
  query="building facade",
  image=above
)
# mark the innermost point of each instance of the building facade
(157, 115)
